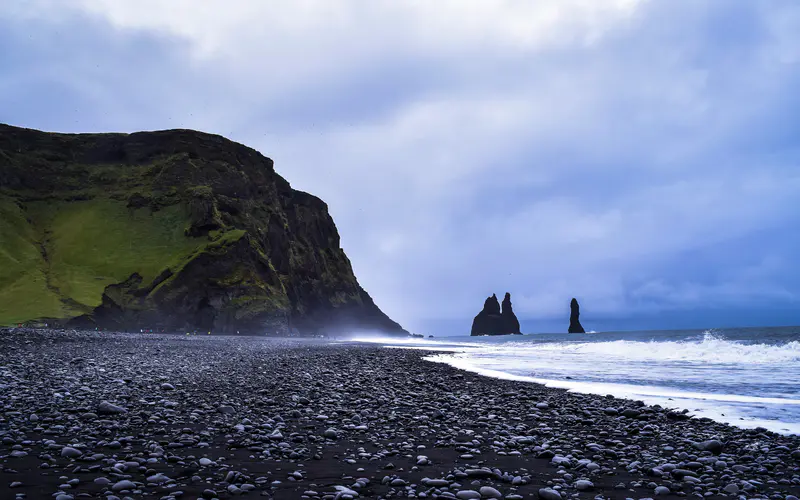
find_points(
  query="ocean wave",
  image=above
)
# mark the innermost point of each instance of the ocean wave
(711, 348)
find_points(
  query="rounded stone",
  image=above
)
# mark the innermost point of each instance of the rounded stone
(123, 485)
(70, 452)
(549, 494)
(731, 488)
(489, 492)
(468, 495)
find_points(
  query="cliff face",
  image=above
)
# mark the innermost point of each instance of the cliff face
(574, 315)
(492, 321)
(173, 229)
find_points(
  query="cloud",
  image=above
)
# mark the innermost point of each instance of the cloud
(618, 151)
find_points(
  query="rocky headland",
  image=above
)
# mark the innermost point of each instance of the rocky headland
(175, 230)
(112, 416)
(492, 320)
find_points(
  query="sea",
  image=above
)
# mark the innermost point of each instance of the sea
(748, 377)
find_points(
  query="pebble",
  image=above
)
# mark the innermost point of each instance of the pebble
(711, 445)
(549, 494)
(69, 452)
(354, 412)
(731, 488)
(158, 479)
(436, 483)
(123, 485)
(344, 490)
(468, 495)
(106, 408)
(489, 492)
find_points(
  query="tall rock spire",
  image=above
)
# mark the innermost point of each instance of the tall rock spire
(574, 314)
(510, 320)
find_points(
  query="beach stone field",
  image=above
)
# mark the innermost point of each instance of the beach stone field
(115, 416)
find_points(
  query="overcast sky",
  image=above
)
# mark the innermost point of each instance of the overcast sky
(640, 155)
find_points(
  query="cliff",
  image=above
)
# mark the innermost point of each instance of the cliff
(492, 321)
(574, 315)
(173, 229)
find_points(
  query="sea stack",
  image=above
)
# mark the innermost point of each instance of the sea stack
(510, 320)
(574, 314)
(492, 321)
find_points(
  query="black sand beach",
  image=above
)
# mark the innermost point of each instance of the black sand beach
(101, 415)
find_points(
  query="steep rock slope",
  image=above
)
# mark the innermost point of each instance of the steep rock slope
(172, 229)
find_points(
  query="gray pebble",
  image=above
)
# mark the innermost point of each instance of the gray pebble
(106, 408)
(468, 495)
(489, 492)
(549, 494)
(70, 452)
(124, 485)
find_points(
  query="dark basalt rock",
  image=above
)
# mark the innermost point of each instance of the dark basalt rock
(574, 322)
(509, 318)
(243, 252)
(492, 321)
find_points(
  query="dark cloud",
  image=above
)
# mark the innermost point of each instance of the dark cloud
(650, 169)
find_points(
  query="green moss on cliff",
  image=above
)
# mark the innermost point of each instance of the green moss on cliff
(226, 238)
(72, 250)
(174, 227)
(96, 243)
(24, 292)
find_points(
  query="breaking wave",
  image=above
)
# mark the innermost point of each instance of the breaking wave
(712, 348)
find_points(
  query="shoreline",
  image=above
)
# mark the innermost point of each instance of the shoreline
(651, 395)
(770, 402)
(218, 417)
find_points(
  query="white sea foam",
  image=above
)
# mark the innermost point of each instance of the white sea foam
(745, 382)
(728, 408)
(711, 349)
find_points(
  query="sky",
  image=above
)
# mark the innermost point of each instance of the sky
(640, 155)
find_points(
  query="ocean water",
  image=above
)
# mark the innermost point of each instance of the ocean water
(749, 377)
